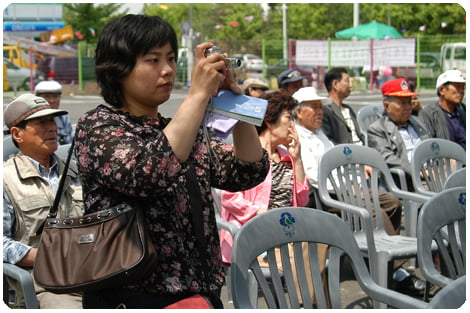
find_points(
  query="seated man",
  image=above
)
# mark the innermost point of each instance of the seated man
(446, 118)
(308, 116)
(290, 81)
(397, 133)
(254, 87)
(339, 119)
(52, 92)
(30, 181)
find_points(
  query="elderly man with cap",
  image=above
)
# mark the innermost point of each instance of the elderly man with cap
(396, 133)
(290, 81)
(30, 181)
(254, 87)
(52, 92)
(446, 118)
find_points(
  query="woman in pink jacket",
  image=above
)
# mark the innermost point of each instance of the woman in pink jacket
(285, 184)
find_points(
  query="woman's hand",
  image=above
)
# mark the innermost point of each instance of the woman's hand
(208, 72)
(294, 145)
(294, 151)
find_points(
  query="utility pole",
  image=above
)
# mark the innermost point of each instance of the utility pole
(284, 31)
(356, 14)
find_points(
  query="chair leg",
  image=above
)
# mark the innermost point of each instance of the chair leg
(427, 290)
(383, 278)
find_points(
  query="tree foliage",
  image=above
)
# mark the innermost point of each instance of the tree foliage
(250, 21)
(89, 19)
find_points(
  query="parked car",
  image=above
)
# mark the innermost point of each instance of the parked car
(430, 67)
(250, 62)
(16, 75)
(65, 69)
(277, 68)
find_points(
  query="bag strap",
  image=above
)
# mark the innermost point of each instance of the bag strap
(197, 212)
(60, 189)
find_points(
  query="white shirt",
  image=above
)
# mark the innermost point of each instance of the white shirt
(312, 146)
(347, 117)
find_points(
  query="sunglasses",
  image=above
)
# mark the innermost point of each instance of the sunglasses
(294, 74)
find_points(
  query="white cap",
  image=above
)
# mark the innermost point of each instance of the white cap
(452, 76)
(307, 94)
(48, 86)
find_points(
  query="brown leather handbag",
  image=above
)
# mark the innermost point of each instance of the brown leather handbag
(94, 251)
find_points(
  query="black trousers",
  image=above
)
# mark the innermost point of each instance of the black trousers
(127, 299)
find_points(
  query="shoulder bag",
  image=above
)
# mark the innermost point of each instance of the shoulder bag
(94, 251)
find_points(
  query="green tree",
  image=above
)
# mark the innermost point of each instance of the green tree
(89, 19)
(409, 17)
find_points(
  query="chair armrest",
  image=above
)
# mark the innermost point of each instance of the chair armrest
(231, 228)
(401, 177)
(26, 281)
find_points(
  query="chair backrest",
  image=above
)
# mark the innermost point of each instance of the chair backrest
(63, 151)
(456, 179)
(343, 166)
(442, 222)
(366, 116)
(435, 159)
(288, 229)
(9, 148)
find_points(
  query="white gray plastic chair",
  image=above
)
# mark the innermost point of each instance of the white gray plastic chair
(292, 226)
(25, 280)
(435, 159)
(456, 179)
(442, 222)
(9, 148)
(452, 296)
(63, 151)
(367, 115)
(344, 166)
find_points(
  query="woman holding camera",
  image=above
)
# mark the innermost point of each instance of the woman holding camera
(127, 152)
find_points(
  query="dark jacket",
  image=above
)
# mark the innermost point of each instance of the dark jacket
(334, 125)
(383, 135)
(435, 121)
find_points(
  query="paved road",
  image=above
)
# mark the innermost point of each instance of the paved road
(79, 104)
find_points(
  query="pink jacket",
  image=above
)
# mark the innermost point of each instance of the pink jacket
(239, 207)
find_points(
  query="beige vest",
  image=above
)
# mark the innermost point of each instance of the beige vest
(32, 197)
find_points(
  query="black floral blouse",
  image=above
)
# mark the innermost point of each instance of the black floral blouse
(123, 158)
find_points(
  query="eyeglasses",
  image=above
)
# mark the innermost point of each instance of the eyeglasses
(259, 88)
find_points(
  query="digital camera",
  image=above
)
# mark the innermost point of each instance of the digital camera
(229, 62)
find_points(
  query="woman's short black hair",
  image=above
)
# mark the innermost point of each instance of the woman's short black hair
(120, 43)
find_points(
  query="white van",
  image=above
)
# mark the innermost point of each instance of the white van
(454, 56)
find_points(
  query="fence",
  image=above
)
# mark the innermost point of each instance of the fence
(423, 72)
(425, 55)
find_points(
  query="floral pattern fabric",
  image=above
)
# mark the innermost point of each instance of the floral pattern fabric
(123, 158)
